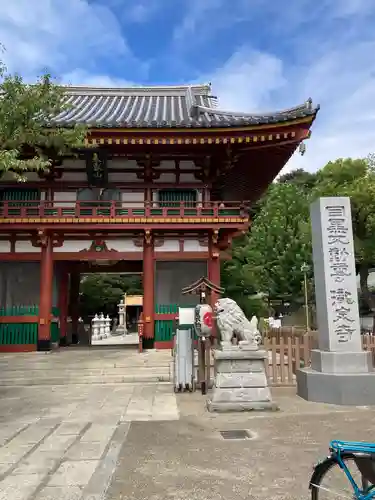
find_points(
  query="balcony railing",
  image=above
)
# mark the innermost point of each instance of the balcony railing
(84, 210)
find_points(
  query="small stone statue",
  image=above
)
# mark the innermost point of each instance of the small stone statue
(255, 330)
(232, 322)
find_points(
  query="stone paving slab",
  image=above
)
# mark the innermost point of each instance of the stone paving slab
(62, 442)
(141, 441)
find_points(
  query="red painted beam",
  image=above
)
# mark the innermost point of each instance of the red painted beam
(165, 317)
(18, 319)
(164, 345)
(86, 226)
(9, 348)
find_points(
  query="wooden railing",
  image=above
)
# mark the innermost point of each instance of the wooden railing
(287, 353)
(121, 209)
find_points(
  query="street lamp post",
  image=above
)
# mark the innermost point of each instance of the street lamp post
(305, 269)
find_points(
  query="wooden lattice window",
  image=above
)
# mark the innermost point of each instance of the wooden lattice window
(19, 195)
(169, 197)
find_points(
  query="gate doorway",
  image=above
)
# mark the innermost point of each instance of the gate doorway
(96, 291)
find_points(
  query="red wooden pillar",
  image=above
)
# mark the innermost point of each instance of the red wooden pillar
(75, 280)
(63, 306)
(46, 286)
(213, 274)
(148, 285)
(214, 267)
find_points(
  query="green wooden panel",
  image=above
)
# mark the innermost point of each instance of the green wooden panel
(19, 333)
(24, 333)
(164, 330)
(55, 328)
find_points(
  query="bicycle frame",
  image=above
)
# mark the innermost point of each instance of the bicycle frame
(358, 450)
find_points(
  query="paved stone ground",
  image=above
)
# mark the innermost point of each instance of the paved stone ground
(83, 428)
(131, 339)
(64, 419)
(188, 459)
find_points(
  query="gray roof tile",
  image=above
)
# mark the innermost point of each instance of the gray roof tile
(163, 107)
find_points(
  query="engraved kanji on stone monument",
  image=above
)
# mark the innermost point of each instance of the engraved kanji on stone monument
(335, 277)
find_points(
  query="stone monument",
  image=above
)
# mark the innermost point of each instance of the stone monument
(340, 372)
(240, 377)
(121, 327)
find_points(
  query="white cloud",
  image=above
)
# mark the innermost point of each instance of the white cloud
(340, 77)
(81, 77)
(58, 35)
(136, 11)
(237, 82)
(196, 15)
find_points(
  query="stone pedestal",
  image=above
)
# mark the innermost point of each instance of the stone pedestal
(240, 381)
(340, 373)
(341, 378)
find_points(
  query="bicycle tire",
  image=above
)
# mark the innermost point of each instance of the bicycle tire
(323, 469)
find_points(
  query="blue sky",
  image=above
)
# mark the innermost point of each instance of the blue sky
(259, 55)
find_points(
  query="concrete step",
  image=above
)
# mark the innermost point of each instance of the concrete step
(76, 366)
(109, 379)
(123, 370)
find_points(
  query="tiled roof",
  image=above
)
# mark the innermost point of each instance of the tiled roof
(164, 107)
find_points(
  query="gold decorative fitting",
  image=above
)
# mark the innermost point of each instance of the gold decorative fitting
(215, 236)
(191, 139)
(148, 237)
(125, 220)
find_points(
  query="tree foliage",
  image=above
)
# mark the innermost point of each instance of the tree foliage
(299, 177)
(269, 258)
(29, 141)
(102, 292)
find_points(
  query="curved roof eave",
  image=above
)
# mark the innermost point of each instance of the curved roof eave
(301, 111)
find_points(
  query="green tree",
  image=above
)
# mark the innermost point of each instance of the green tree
(268, 259)
(29, 140)
(304, 180)
(102, 292)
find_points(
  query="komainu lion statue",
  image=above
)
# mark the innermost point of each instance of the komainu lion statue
(232, 322)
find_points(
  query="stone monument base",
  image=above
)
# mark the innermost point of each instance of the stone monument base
(240, 381)
(341, 378)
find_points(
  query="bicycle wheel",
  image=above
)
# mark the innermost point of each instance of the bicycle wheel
(331, 481)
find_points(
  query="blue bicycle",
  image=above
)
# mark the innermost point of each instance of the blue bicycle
(348, 472)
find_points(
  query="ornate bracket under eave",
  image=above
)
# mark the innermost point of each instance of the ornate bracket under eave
(41, 239)
(148, 174)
